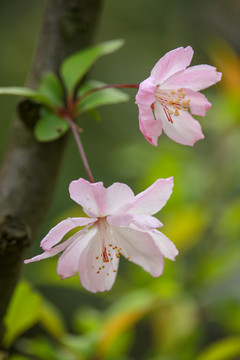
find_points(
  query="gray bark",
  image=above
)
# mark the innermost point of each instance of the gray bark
(30, 168)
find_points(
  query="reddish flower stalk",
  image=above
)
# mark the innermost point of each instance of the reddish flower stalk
(119, 86)
(80, 148)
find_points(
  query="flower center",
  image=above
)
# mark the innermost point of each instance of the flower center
(107, 249)
(172, 101)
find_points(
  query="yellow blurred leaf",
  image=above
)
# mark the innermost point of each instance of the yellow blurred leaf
(226, 349)
(185, 226)
(228, 62)
(174, 322)
(123, 316)
(52, 320)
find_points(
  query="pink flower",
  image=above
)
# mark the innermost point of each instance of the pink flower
(165, 98)
(119, 223)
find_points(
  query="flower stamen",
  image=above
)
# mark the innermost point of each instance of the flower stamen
(171, 101)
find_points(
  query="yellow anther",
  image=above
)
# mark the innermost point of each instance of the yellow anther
(186, 102)
(97, 257)
(98, 272)
(176, 113)
(180, 90)
(170, 112)
(173, 92)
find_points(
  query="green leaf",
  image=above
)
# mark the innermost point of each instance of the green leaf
(100, 97)
(50, 127)
(23, 312)
(50, 86)
(76, 65)
(18, 357)
(26, 92)
(51, 320)
(226, 349)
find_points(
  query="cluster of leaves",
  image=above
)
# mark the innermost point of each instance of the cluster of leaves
(62, 97)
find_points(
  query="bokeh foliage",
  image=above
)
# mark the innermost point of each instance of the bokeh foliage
(193, 311)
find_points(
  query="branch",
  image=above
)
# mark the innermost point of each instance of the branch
(30, 169)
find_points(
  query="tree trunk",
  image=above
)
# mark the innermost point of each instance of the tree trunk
(30, 168)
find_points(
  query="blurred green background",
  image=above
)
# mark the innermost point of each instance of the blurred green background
(193, 310)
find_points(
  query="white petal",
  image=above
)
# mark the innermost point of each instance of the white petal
(117, 195)
(52, 252)
(98, 201)
(68, 262)
(146, 221)
(166, 246)
(57, 233)
(184, 129)
(96, 275)
(139, 246)
(152, 199)
(89, 196)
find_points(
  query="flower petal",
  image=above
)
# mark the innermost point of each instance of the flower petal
(98, 201)
(196, 78)
(199, 104)
(117, 195)
(172, 62)
(184, 129)
(166, 246)
(120, 219)
(146, 221)
(52, 252)
(150, 128)
(57, 232)
(151, 200)
(89, 195)
(68, 262)
(96, 275)
(146, 92)
(143, 221)
(139, 247)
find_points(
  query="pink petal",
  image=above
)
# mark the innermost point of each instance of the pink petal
(184, 129)
(150, 128)
(52, 252)
(153, 198)
(57, 233)
(141, 249)
(120, 219)
(172, 62)
(197, 78)
(96, 275)
(89, 196)
(143, 221)
(98, 201)
(146, 222)
(146, 92)
(199, 104)
(166, 246)
(69, 260)
(117, 195)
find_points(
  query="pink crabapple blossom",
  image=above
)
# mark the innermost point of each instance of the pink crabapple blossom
(118, 223)
(166, 96)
